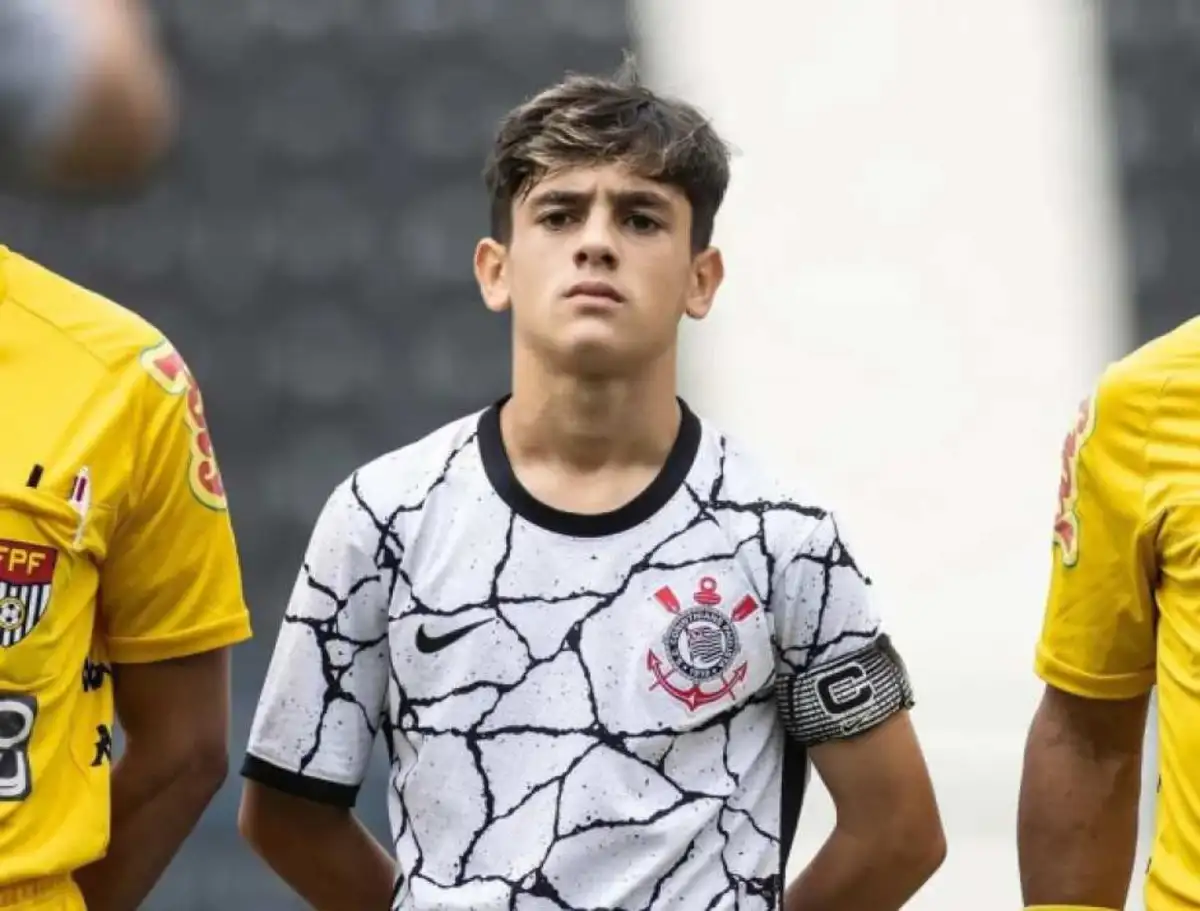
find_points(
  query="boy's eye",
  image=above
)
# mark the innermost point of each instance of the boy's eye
(642, 223)
(556, 219)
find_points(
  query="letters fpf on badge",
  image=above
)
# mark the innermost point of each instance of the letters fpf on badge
(1066, 520)
(166, 366)
(26, 578)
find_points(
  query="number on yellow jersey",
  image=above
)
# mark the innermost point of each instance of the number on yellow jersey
(166, 366)
(18, 712)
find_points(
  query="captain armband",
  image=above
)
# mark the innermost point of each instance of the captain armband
(845, 697)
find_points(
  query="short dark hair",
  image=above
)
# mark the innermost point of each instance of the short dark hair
(588, 120)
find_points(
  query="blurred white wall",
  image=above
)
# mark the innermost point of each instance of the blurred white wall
(923, 280)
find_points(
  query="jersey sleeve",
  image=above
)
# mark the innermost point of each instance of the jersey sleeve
(170, 582)
(838, 673)
(1098, 627)
(323, 697)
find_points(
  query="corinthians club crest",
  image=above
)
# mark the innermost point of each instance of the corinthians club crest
(701, 646)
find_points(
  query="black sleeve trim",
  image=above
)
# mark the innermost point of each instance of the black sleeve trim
(289, 782)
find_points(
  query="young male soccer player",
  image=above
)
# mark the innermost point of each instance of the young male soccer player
(597, 638)
(1123, 615)
(119, 585)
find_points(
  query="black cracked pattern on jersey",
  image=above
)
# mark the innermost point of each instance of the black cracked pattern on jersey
(340, 652)
(801, 657)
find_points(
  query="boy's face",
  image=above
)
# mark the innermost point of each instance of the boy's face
(598, 270)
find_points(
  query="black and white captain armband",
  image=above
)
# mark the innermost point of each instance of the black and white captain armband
(845, 697)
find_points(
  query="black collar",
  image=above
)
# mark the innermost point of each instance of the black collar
(580, 525)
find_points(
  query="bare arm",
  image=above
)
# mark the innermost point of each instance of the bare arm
(888, 840)
(1077, 819)
(310, 743)
(320, 850)
(175, 715)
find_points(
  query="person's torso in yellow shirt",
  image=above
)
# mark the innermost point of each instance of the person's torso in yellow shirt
(1123, 613)
(115, 546)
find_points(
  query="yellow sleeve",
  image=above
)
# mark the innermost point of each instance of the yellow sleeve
(1098, 633)
(171, 582)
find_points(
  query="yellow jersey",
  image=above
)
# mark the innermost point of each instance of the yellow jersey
(115, 547)
(1123, 611)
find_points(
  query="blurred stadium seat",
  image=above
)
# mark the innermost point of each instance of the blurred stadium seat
(1153, 70)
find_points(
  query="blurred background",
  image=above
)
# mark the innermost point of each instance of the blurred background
(945, 219)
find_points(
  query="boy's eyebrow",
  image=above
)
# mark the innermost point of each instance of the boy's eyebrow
(644, 199)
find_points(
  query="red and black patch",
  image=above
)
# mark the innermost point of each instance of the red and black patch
(26, 580)
(701, 646)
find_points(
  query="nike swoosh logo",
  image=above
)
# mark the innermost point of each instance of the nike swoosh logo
(429, 644)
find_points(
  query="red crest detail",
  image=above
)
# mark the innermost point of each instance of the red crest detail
(1066, 519)
(26, 579)
(701, 645)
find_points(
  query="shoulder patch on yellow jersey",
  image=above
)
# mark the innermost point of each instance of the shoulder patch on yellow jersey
(1066, 520)
(168, 369)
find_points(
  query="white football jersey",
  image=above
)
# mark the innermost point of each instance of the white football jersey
(582, 710)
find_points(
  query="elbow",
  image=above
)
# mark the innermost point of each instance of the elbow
(207, 763)
(199, 765)
(916, 844)
(929, 849)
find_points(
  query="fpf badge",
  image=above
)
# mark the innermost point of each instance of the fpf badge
(26, 577)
